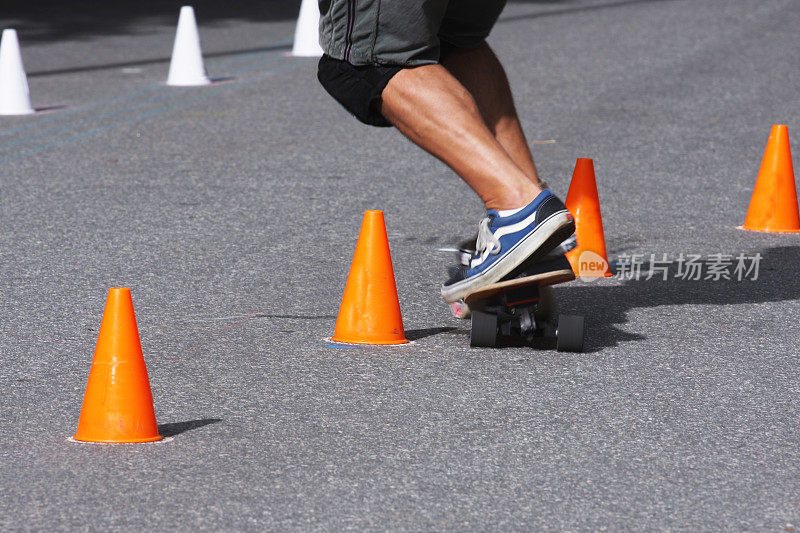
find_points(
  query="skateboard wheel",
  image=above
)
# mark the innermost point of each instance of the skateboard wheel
(570, 333)
(484, 330)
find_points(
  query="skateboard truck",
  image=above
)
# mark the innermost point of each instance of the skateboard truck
(519, 313)
(521, 306)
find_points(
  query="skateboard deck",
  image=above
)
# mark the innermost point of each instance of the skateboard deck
(510, 286)
(548, 271)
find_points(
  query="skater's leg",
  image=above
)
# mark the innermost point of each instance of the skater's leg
(481, 73)
(434, 110)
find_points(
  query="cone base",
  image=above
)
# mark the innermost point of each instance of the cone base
(17, 112)
(370, 342)
(762, 230)
(117, 441)
(189, 84)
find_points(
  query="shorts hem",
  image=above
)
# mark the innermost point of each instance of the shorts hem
(357, 87)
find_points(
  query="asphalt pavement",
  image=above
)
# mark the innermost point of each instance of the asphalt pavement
(232, 210)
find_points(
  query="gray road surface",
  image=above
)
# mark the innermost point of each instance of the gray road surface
(231, 212)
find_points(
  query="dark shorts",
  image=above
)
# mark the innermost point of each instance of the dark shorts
(366, 42)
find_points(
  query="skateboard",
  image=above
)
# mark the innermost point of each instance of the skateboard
(521, 307)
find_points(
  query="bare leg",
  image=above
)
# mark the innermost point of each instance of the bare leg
(430, 107)
(481, 73)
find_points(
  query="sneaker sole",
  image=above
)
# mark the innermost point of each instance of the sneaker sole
(532, 247)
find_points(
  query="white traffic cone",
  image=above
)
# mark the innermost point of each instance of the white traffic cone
(15, 98)
(186, 67)
(306, 34)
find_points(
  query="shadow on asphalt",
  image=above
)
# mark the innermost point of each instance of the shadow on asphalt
(57, 20)
(54, 20)
(286, 46)
(417, 334)
(176, 428)
(605, 307)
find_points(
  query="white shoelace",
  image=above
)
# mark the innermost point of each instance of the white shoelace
(487, 243)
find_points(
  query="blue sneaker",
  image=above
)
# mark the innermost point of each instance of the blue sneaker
(507, 243)
(466, 249)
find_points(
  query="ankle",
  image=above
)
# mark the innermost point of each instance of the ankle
(513, 198)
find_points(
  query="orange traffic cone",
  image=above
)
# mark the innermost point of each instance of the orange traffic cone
(588, 259)
(118, 404)
(773, 206)
(370, 310)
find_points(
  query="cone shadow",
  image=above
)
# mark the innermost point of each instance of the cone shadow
(176, 428)
(157, 60)
(48, 109)
(417, 334)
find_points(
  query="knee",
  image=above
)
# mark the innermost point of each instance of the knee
(357, 88)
